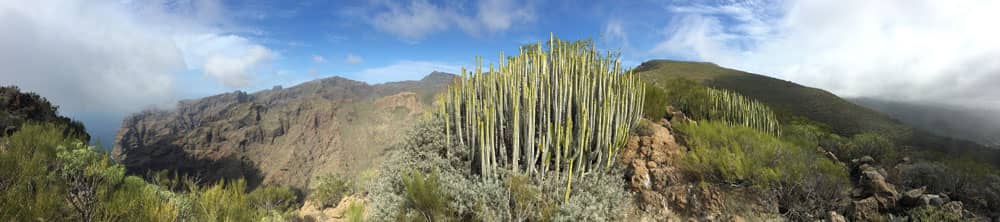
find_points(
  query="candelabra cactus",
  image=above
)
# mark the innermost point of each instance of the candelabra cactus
(564, 109)
(737, 110)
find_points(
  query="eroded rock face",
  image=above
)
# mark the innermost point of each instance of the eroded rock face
(282, 136)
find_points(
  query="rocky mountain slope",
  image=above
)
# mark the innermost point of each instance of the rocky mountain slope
(278, 136)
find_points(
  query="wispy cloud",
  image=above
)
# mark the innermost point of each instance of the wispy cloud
(416, 19)
(904, 50)
(404, 70)
(318, 59)
(353, 59)
(234, 72)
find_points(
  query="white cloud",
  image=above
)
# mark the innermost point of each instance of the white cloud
(117, 56)
(353, 59)
(234, 71)
(416, 19)
(404, 70)
(318, 59)
(906, 50)
(614, 34)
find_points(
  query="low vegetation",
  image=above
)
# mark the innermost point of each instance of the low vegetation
(804, 181)
(51, 176)
(330, 189)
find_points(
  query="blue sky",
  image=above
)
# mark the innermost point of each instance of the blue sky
(103, 59)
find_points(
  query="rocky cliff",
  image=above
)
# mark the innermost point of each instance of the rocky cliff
(283, 136)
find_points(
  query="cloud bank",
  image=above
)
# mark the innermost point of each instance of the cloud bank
(920, 50)
(114, 56)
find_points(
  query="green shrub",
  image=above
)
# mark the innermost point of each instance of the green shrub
(738, 154)
(355, 212)
(330, 189)
(136, 200)
(803, 180)
(273, 198)
(423, 194)
(656, 103)
(224, 201)
(933, 214)
(32, 187)
(868, 144)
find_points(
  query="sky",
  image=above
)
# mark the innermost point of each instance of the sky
(100, 60)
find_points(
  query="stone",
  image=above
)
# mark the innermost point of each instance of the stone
(865, 209)
(866, 160)
(954, 207)
(931, 199)
(833, 216)
(912, 198)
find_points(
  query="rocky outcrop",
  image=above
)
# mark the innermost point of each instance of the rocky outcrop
(283, 136)
(874, 196)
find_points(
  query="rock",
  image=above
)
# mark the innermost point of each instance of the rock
(875, 183)
(651, 164)
(912, 198)
(865, 209)
(866, 160)
(640, 176)
(954, 207)
(833, 216)
(311, 211)
(256, 135)
(931, 199)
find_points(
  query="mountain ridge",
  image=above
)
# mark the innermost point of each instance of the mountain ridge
(281, 135)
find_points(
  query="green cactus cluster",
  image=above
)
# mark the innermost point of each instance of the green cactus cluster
(563, 109)
(737, 110)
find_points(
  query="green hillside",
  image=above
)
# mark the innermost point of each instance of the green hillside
(790, 100)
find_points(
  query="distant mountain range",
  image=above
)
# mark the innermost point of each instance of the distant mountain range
(978, 125)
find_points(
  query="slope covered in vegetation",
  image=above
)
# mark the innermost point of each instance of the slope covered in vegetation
(17, 108)
(790, 101)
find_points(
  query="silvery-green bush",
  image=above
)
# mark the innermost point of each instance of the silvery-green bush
(601, 197)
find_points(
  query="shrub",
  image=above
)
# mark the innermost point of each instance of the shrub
(868, 144)
(472, 198)
(656, 103)
(932, 213)
(224, 201)
(330, 190)
(355, 212)
(424, 195)
(805, 182)
(976, 184)
(29, 180)
(273, 198)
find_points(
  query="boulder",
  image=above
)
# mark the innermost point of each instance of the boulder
(874, 183)
(865, 209)
(931, 199)
(954, 207)
(912, 198)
